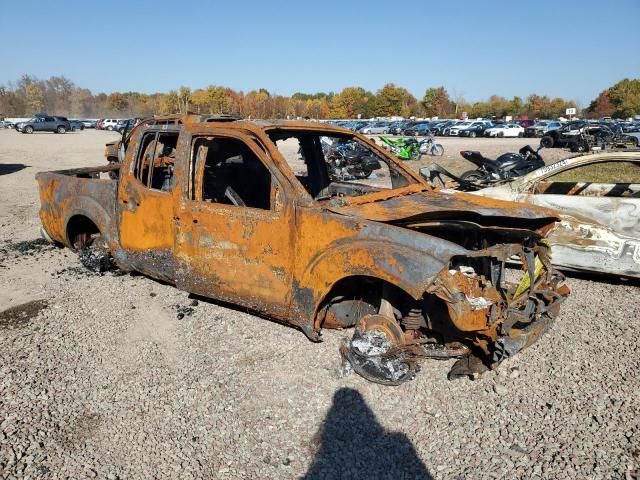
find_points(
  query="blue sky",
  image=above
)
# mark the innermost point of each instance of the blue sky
(475, 48)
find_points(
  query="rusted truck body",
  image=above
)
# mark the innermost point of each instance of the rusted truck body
(244, 212)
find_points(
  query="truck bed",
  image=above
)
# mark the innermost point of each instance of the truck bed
(88, 192)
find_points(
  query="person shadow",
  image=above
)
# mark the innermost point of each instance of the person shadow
(352, 444)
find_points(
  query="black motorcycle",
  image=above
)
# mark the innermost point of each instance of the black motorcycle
(349, 160)
(506, 167)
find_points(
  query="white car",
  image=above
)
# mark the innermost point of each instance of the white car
(598, 199)
(508, 130)
(109, 124)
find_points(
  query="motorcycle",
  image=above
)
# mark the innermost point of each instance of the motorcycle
(412, 149)
(506, 167)
(348, 160)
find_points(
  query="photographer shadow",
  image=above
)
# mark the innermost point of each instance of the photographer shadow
(352, 444)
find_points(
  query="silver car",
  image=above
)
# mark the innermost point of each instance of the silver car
(598, 198)
(375, 128)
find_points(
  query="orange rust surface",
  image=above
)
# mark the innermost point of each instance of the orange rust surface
(285, 260)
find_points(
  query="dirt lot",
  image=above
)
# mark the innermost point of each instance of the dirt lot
(120, 376)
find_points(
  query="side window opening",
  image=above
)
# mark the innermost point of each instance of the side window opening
(228, 172)
(156, 160)
(601, 179)
(328, 166)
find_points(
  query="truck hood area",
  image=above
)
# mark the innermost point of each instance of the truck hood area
(443, 205)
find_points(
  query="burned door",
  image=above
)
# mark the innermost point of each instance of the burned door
(145, 201)
(234, 229)
(600, 207)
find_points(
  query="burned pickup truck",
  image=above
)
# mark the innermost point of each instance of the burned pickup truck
(245, 212)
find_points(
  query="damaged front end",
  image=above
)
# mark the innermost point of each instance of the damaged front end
(481, 308)
(498, 302)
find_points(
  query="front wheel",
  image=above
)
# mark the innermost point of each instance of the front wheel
(500, 134)
(520, 135)
(437, 150)
(28, 129)
(472, 134)
(110, 128)
(375, 351)
(546, 141)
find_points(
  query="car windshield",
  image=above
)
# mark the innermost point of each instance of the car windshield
(541, 124)
(330, 164)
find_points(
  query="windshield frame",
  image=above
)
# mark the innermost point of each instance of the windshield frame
(414, 181)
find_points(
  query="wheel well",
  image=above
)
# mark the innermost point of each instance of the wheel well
(80, 230)
(353, 297)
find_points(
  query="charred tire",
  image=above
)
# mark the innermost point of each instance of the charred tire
(95, 255)
(547, 141)
(580, 147)
(28, 129)
(61, 129)
(373, 353)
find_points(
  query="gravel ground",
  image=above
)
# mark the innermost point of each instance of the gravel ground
(120, 376)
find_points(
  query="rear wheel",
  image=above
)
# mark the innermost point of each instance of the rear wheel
(500, 134)
(472, 176)
(472, 134)
(520, 135)
(61, 129)
(93, 253)
(581, 147)
(110, 128)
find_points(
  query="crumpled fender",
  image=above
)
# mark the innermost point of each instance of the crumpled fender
(401, 257)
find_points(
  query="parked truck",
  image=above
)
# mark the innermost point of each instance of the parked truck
(245, 212)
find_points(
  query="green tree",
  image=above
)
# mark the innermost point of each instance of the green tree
(169, 103)
(516, 106)
(394, 100)
(436, 102)
(625, 97)
(349, 103)
(34, 98)
(184, 98)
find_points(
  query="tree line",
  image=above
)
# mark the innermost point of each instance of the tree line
(60, 96)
